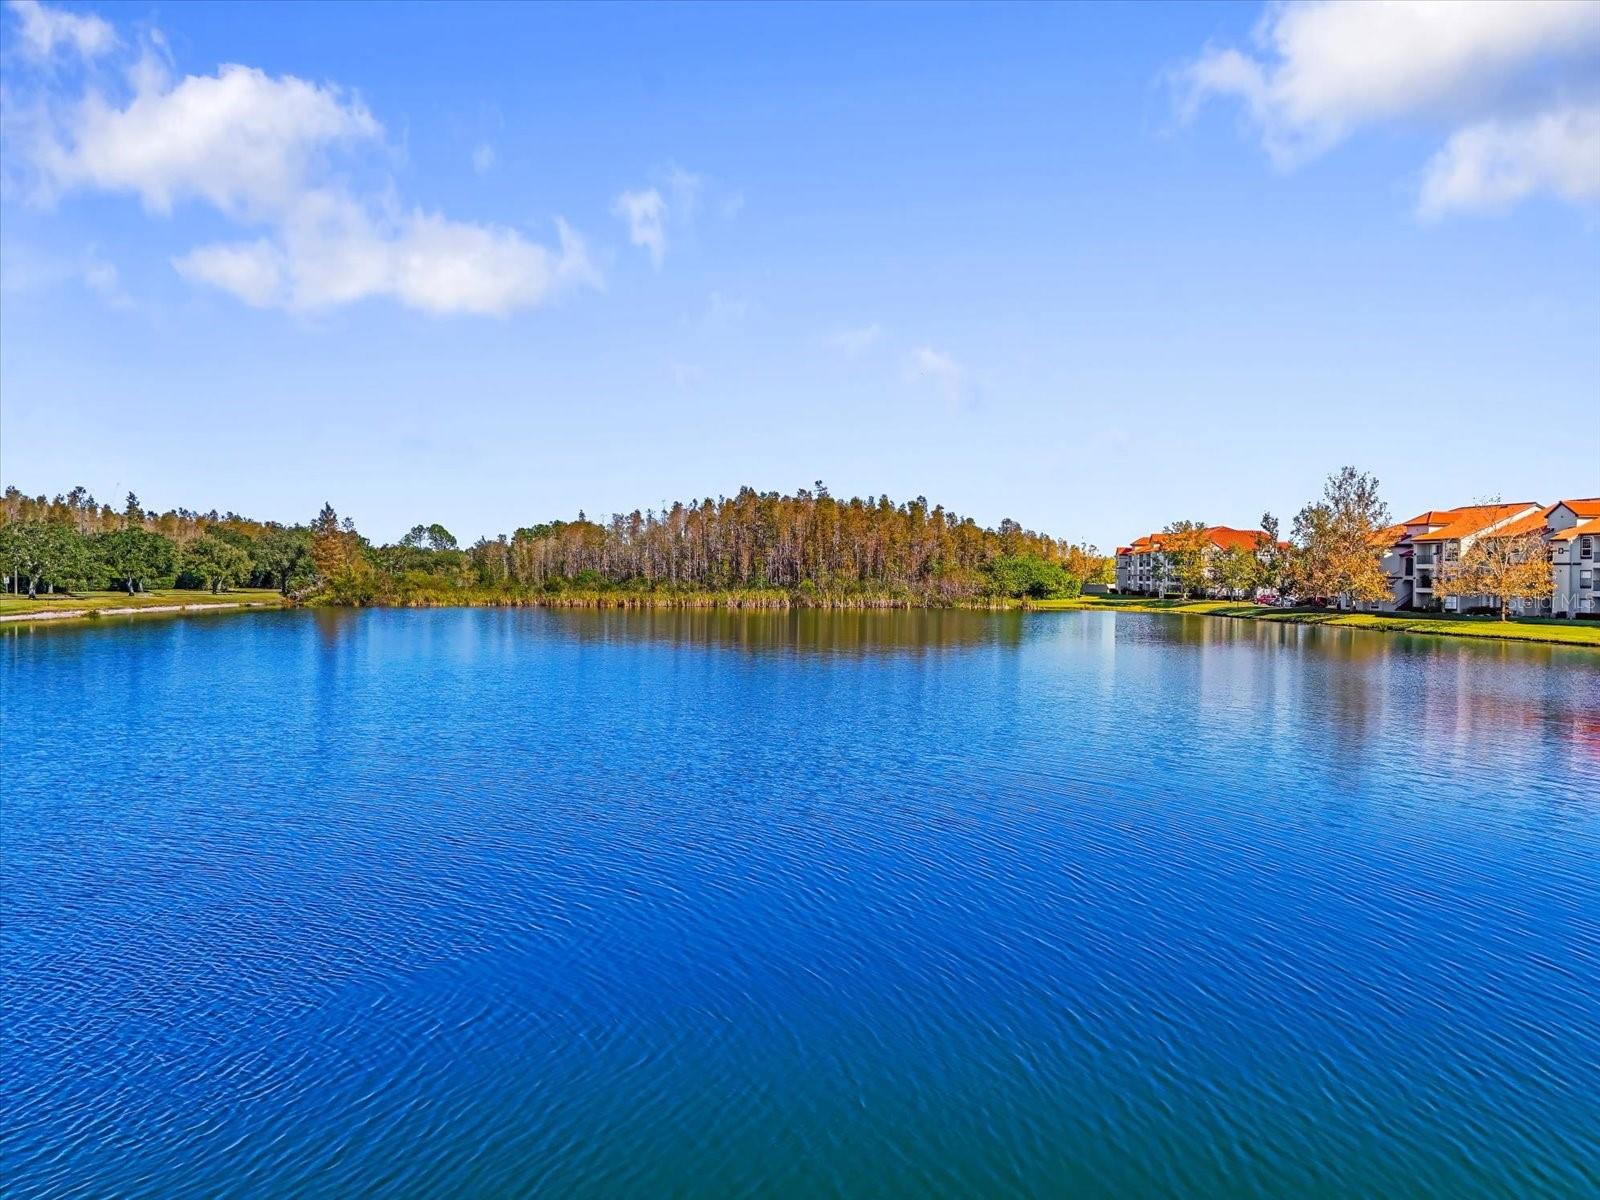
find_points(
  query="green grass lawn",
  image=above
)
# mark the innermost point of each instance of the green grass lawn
(1531, 629)
(99, 601)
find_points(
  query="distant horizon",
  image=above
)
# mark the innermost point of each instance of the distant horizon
(1067, 265)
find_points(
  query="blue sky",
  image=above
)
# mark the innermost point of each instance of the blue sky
(1096, 269)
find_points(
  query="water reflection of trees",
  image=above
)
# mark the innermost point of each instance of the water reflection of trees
(855, 632)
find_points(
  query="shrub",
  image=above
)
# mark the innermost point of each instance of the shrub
(1020, 576)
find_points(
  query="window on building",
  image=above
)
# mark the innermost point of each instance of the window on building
(1586, 548)
(1586, 579)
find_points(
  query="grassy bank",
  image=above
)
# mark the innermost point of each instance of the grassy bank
(1535, 629)
(82, 604)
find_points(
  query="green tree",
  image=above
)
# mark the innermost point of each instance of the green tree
(1027, 576)
(1273, 557)
(46, 553)
(217, 561)
(1237, 571)
(283, 556)
(430, 537)
(1184, 545)
(132, 556)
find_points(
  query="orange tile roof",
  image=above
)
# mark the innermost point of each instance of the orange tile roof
(1434, 516)
(1387, 537)
(1235, 539)
(1583, 527)
(1589, 507)
(1224, 536)
(1534, 522)
(1472, 519)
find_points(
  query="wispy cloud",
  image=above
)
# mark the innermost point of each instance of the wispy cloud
(666, 208)
(43, 31)
(29, 269)
(645, 213)
(484, 158)
(939, 371)
(858, 340)
(723, 311)
(685, 188)
(102, 278)
(261, 150)
(1510, 69)
(1490, 166)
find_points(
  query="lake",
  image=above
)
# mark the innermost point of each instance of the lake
(500, 902)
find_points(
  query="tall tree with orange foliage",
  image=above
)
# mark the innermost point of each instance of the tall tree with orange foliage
(1506, 569)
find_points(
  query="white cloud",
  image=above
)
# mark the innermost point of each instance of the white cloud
(1323, 70)
(240, 140)
(927, 363)
(856, 341)
(1327, 68)
(483, 158)
(30, 269)
(645, 213)
(667, 208)
(424, 261)
(940, 371)
(259, 150)
(1490, 166)
(252, 271)
(46, 29)
(104, 280)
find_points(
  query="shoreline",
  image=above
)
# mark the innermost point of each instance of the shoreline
(130, 610)
(1545, 631)
(1584, 635)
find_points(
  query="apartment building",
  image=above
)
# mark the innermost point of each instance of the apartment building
(1414, 552)
(1144, 568)
(1574, 540)
(1432, 540)
(1440, 537)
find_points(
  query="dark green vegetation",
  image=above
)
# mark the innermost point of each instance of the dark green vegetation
(753, 550)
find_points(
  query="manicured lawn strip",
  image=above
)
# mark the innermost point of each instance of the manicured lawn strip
(1533, 629)
(98, 601)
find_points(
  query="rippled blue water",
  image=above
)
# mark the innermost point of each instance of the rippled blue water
(678, 904)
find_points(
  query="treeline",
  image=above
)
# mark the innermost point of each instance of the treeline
(1335, 550)
(808, 548)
